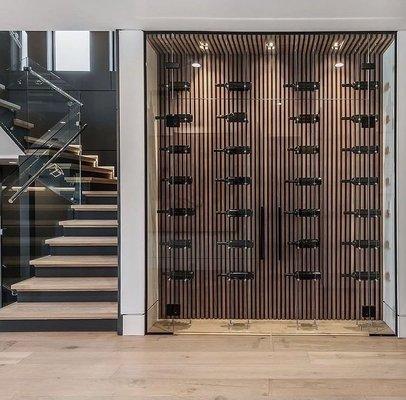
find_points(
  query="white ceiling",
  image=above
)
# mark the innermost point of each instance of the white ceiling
(222, 15)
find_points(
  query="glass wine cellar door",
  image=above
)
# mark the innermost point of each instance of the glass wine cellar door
(270, 181)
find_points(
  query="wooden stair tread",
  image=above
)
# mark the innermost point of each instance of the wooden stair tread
(94, 207)
(23, 124)
(68, 155)
(100, 193)
(86, 168)
(59, 310)
(90, 179)
(81, 241)
(66, 284)
(89, 223)
(38, 141)
(76, 261)
(8, 104)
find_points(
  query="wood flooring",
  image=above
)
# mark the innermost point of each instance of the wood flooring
(104, 366)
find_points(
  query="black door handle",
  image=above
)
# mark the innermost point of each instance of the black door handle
(262, 233)
(279, 233)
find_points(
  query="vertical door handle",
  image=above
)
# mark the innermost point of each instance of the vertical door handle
(280, 239)
(262, 233)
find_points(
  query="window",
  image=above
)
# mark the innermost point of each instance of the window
(72, 50)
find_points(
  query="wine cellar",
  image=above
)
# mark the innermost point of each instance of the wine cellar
(270, 177)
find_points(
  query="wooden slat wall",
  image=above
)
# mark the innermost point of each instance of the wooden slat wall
(238, 57)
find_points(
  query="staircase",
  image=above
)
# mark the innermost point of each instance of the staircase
(75, 285)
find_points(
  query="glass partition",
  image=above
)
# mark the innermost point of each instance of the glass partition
(271, 183)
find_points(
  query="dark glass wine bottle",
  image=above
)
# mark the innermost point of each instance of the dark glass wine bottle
(234, 117)
(307, 181)
(177, 244)
(180, 275)
(303, 86)
(366, 121)
(174, 120)
(236, 180)
(237, 276)
(237, 244)
(305, 149)
(178, 212)
(305, 118)
(177, 149)
(363, 275)
(305, 275)
(236, 86)
(172, 65)
(364, 213)
(178, 180)
(182, 86)
(305, 243)
(363, 244)
(234, 150)
(236, 213)
(363, 149)
(362, 181)
(362, 85)
(304, 212)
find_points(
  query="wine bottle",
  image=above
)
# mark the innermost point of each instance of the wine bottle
(172, 65)
(237, 244)
(362, 181)
(363, 149)
(234, 117)
(236, 213)
(305, 243)
(177, 149)
(234, 150)
(237, 276)
(237, 180)
(182, 86)
(366, 121)
(178, 212)
(303, 86)
(362, 85)
(235, 86)
(178, 180)
(364, 213)
(304, 149)
(365, 66)
(308, 181)
(174, 120)
(179, 275)
(304, 212)
(363, 275)
(363, 244)
(177, 244)
(305, 118)
(305, 275)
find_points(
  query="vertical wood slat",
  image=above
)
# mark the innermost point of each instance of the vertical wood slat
(243, 57)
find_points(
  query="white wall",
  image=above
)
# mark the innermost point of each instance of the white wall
(271, 15)
(132, 181)
(8, 149)
(401, 183)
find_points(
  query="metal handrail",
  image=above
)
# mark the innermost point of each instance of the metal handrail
(49, 83)
(16, 195)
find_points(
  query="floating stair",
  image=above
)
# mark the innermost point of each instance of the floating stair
(75, 286)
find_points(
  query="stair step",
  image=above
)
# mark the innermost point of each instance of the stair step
(93, 284)
(76, 261)
(94, 207)
(23, 124)
(100, 193)
(107, 173)
(89, 159)
(82, 241)
(2, 87)
(57, 145)
(8, 104)
(89, 223)
(86, 179)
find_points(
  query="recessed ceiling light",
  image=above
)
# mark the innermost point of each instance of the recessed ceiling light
(204, 46)
(196, 65)
(339, 64)
(270, 46)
